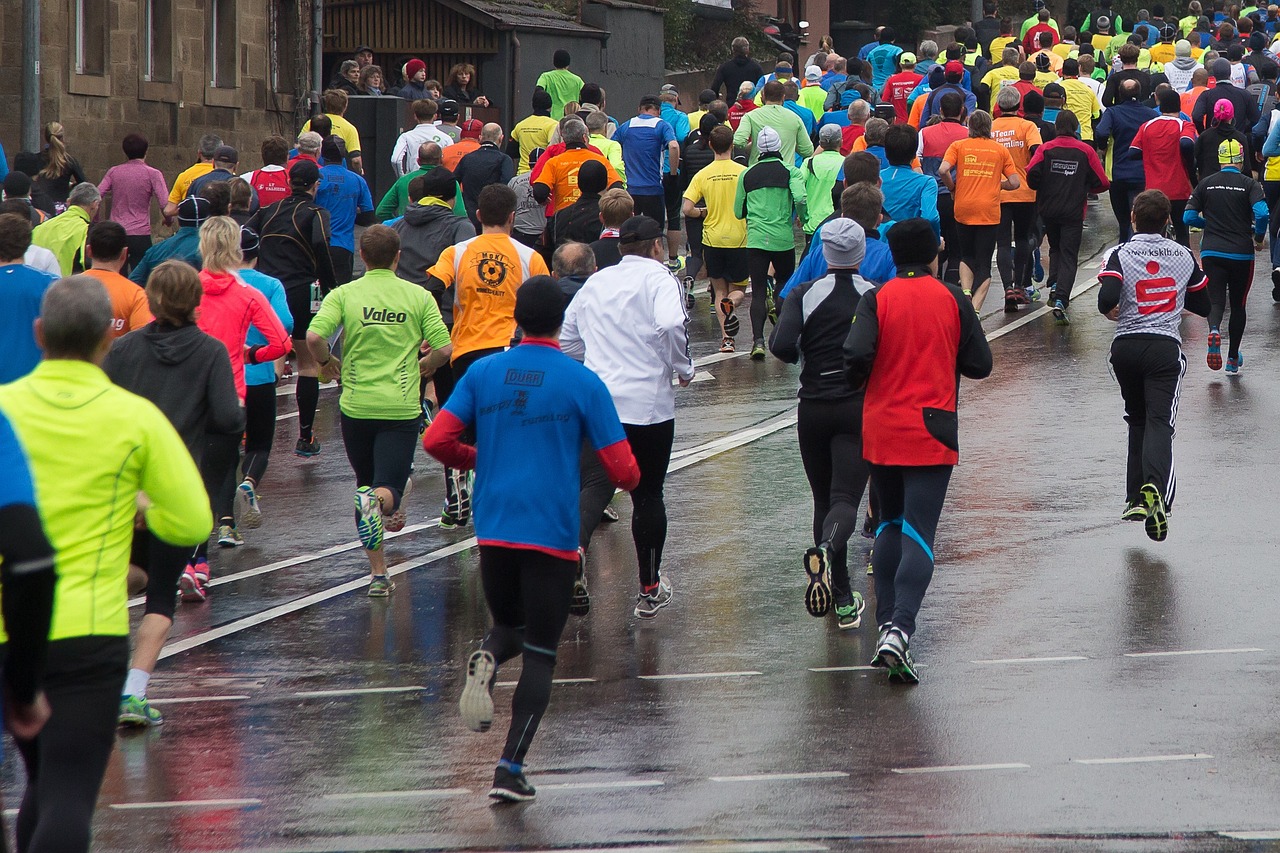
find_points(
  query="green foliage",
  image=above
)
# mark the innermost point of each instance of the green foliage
(677, 29)
(909, 17)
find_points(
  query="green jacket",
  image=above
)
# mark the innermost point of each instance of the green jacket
(397, 198)
(819, 173)
(770, 194)
(64, 236)
(789, 126)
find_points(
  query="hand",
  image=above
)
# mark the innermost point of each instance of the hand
(24, 722)
(425, 370)
(1259, 244)
(1114, 314)
(684, 383)
(331, 371)
(482, 101)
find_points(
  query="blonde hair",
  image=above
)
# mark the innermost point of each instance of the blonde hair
(59, 159)
(571, 108)
(173, 293)
(220, 245)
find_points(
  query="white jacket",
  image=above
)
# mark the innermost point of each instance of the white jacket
(404, 157)
(629, 326)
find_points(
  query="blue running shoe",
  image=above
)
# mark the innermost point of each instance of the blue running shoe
(1233, 365)
(1037, 272)
(368, 518)
(1214, 356)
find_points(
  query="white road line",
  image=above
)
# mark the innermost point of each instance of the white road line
(355, 691)
(390, 795)
(698, 376)
(715, 847)
(288, 389)
(708, 360)
(958, 768)
(692, 676)
(844, 668)
(1062, 659)
(1190, 652)
(783, 777)
(188, 804)
(553, 681)
(1243, 835)
(601, 786)
(286, 416)
(1145, 759)
(182, 700)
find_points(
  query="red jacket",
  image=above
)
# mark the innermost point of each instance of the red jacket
(227, 310)
(738, 109)
(911, 340)
(896, 90)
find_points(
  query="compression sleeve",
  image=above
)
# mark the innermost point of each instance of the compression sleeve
(443, 440)
(620, 465)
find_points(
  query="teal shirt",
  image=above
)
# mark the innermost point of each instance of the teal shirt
(769, 195)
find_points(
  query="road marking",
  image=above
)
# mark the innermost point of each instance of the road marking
(592, 786)
(1062, 659)
(287, 389)
(188, 804)
(783, 777)
(713, 847)
(958, 768)
(698, 376)
(691, 676)
(844, 668)
(388, 795)
(179, 700)
(355, 691)
(1037, 314)
(1189, 652)
(1246, 835)
(708, 360)
(1145, 759)
(553, 681)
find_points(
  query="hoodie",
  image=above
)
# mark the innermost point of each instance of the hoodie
(186, 373)
(227, 311)
(425, 231)
(1179, 72)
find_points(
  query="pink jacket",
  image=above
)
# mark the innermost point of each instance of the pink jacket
(227, 310)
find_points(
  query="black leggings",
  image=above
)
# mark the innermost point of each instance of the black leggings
(67, 760)
(758, 261)
(1228, 280)
(137, 246)
(1149, 371)
(259, 429)
(381, 453)
(693, 231)
(830, 433)
(949, 257)
(1122, 195)
(910, 501)
(651, 446)
(1017, 226)
(163, 564)
(1181, 232)
(1064, 257)
(528, 594)
(977, 243)
(218, 468)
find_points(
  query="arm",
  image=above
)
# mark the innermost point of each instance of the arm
(799, 194)
(397, 156)
(364, 206)
(1191, 215)
(1187, 150)
(804, 145)
(1261, 213)
(1271, 147)
(929, 206)
(673, 156)
(320, 247)
(944, 175)
(1111, 279)
(264, 318)
(443, 440)
(571, 343)
(604, 431)
(541, 190)
(784, 343)
(435, 337)
(387, 207)
(672, 323)
(1197, 299)
(1034, 169)
(861, 343)
(1099, 179)
(178, 507)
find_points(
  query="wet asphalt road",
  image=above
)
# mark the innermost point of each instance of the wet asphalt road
(1083, 688)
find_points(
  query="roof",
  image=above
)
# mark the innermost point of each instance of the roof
(623, 4)
(521, 15)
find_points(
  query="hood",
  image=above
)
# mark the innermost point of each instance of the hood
(216, 284)
(172, 346)
(419, 215)
(1184, 63)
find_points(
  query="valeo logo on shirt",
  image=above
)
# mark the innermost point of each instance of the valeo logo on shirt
(383, 317)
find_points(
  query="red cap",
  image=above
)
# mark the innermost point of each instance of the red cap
(413, 66)
(955, 66)
(471, 128)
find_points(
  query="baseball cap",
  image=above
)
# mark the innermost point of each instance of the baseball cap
(1054, 90)
(768, 140)
(954, 66)
(638, 229)
(1230, 152)
(650, 101)
(540, 305)
(813, 73)
(226, 154)
(1224, 110)
(304, 173)
(669, 89)
(1182, 49)
(449, 109)
(364, 48)
(471, 128)
(844, 243)
(907, 58)
(193, 211)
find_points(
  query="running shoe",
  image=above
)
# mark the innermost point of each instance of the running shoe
(1157, 521)
(511, 787)
(817, 565)
(136, 713)
(248, 513)
(609, 516)
(688, 291)
(1234, 364)
(769, 290)
(201, 569)
(1214, 357)
(1060, 313)
(476, 704)
(229, 537)
(1135, 510)
(368, 513)
(726, 345)
(675, 265)
(1275, 284)
(380, 586)
(580, 603)
(1033, 293)
(871, 569)
(731, 324)
(1037, 271)
(307, 449)
(895, 652)
(457, 500)
(395, 522)
(849, 614)
(757, 350)
(875, 660)
(649, 603)
(190, 587)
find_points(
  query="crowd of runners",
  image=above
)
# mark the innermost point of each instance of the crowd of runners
(517, 304)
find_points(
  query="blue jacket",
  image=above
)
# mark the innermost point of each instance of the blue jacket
(680, 124)
(877, 266)
(908, 194)
(806, 116)
(1119, 125)
(184, 245)
(265, 373)
(932, 105)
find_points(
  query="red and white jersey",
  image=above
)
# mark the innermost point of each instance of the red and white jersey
(271, 183)
(1155, 275)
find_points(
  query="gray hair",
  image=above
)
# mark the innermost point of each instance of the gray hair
(84, 194)
(309, 142)
(347, 65)
(1009, 99)
(491, 132)
(830, 137)
(859, 111)
(573, 259)
(929, 49)
(980, 124)
(597, 121)
(75, 315)
(209, 143)
(573, 132)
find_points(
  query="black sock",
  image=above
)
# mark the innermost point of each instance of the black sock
(308, 394)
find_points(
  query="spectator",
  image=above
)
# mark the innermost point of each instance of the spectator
(460, 86)
(414, 88)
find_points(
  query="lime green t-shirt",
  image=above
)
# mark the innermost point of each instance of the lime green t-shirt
(386, 319)
(563, 86)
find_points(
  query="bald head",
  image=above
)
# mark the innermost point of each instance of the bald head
(573, 259)
(429, 154)
(491, 132)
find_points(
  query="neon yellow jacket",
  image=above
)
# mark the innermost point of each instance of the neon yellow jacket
(93, 447)
(64, 236)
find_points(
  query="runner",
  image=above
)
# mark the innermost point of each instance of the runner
(345, 195)
(131, 186)
(1018, 206)
(184, 245)
(529, 431)
(408, 145)
(1147, 282)
(909, 340)
(1166, 146)
(1228, 206)
(644, 140)
(629, 325)
(271, 182)
(209, 143)
(935, 139)
(820, 174)
(616, 207)
(386, 320)
(21, 292)
(724, 235)
(812, 329)
(107, 246)
(531, 132)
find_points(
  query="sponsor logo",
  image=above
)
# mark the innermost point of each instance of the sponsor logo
(383, 317)
(526, 378)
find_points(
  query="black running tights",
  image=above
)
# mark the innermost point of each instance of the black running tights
(67, 760)
(528, 594)
(651, 446)
(1229, 281)
(758, 261)
(830, 433)
(259, 429)
(1015, 242)
(218, 468)
(910, 501)
(307, 392)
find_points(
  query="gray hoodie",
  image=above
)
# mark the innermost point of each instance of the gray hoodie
(1179, 72)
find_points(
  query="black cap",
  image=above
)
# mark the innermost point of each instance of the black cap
(540, 306)
(226, 154)
(193, 211)
(440, 182)
(638, 229)
(706, 96)
(913, 243)
(650, 101)
(592, 177)
(541, 99)
(303, 173)
(249, 242)
(362, 49)
(448, 109)
(330, 150)
(17, 185)
(535, 155)
(589, 94)
(1053, 90)
(1168, 31)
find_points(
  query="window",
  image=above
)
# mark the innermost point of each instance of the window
(90, 18)
(157, 41)
(285, 45)
(223, 44)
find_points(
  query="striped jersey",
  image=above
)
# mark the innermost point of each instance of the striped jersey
(1154, 274)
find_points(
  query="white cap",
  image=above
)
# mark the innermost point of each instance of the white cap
(768, 140)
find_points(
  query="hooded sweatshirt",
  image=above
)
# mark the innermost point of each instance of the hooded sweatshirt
(227, 311)
(425, 231)
(1179, 72)
(186, 373)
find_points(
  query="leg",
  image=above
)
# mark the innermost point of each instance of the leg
(652, 448)
(924, 491)
(501, 577)
(1004, 248)
(812, 431)
(948, 258)
(1070, 235)
(137, 245)
(964, 255)
(359, 437)
(1122, 196)
(1024, 236)
(1272, 191)
(1163, 368)
(888, 485)
(307, 389)
(1218, 272)
(784, 266)
(1180, 231)
(259, 431)
(393, 449)
(1126, 363)
(693, 229)
(672, 201)
(1238, 284)
(984, 244)
(595, 493)
(758, 268)
(848, 481)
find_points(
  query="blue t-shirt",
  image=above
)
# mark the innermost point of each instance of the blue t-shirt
(643, 140)
(679, 126)
(344, 194)
(265, 374)
(884, 64)
(531, 408)
(21, 289)
(15, 485)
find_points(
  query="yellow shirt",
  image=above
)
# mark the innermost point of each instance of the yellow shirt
(531, 132)
(183, 182)
(717, 184)
(996, 49)
(612, 152)
(1082, 101)
(993, 78)
(344, 130)
(1163, 52)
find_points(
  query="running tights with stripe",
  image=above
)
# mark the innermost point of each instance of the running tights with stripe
(830, 433)
(1149, 370)
(528, 594)
(910, 501)
(1229, 281)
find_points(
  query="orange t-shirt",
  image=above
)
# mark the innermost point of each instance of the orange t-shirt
(561, 175)
(1018, 136)
(454, 153)
(1190, 97)
(484, 273)
(980, 165)
(129, 308)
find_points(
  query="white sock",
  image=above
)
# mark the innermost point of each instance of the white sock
(136, 683)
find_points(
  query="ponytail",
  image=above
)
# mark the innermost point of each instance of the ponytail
(59, 160)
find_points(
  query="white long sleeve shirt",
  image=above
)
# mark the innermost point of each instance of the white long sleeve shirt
(630, 327)
(404, 157)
